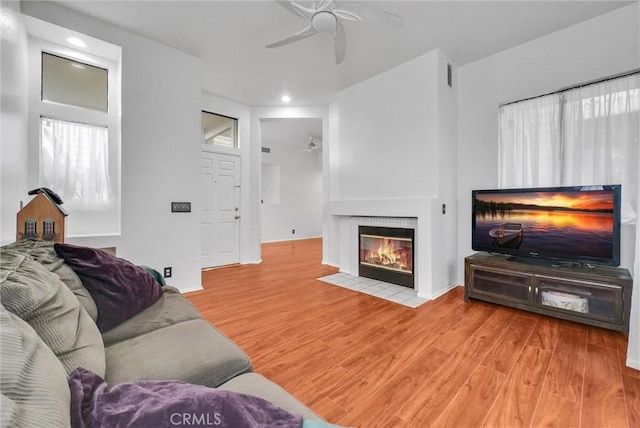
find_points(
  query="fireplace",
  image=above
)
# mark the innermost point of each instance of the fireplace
(386, 254)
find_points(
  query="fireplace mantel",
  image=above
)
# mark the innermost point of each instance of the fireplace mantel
(381, 207)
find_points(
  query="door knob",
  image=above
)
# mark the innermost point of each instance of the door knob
(237, 217)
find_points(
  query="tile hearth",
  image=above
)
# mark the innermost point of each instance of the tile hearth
(383, 290)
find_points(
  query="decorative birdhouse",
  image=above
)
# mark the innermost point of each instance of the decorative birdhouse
(42, 217)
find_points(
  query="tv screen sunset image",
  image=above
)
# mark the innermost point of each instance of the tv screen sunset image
(577, 223)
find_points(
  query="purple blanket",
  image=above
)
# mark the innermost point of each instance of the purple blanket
(167, 404)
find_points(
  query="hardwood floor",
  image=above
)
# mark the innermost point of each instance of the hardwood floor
(364, 362)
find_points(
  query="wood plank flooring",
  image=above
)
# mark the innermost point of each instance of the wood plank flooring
(365, 362)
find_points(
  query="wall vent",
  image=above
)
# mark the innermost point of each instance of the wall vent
(266, 150)
(449, 75)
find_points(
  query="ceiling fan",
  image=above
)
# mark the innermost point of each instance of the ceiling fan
(325, 17)
(312, 146)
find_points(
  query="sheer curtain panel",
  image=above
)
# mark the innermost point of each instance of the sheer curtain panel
(600, 135)
(74, 163)
(529, 143)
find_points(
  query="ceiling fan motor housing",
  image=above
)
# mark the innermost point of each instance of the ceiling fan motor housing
(325, 22)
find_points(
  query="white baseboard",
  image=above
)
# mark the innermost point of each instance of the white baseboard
(440, 293)
(190, 289)
(335, 265)
(634, 364)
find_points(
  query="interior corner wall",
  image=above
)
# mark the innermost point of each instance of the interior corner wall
(160, 148)
(13, 119)
(331, 188)
(444, 207)
(594, 49)
(242, 112)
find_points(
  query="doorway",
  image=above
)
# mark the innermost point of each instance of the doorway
(291, 181)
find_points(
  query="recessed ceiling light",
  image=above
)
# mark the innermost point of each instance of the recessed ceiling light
(77, 42)
(285, 98)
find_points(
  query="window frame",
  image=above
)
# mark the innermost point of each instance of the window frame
(105, 222)
(233, 128)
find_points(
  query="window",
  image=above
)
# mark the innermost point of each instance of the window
(74, 83)
(219, 130)
(75, 130)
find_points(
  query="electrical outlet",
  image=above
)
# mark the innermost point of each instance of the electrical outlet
(444, 208)
(293, 231)
(167, 272)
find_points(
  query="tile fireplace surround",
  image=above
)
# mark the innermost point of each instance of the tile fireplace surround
(346, 217)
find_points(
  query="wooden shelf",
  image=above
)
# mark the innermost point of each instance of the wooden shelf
(594, 295)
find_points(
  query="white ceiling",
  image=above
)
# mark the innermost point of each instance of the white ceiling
(230, 37)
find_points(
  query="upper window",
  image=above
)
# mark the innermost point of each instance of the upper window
(74, 83)
(219, 130)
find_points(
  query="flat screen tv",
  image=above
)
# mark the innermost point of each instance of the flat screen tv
(572, 224)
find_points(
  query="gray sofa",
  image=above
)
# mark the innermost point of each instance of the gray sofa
(48, 329)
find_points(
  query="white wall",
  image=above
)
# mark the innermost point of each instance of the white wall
(594, 49)
(13, 119)
(388, 133)
(161, 104)
(300, 205)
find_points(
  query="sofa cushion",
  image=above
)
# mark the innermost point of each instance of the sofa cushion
(171, 308)
(119, 288)
(43, 252)
(168, 403)
(33, 389)
(191, 351)
(30, 291)
(258, 385)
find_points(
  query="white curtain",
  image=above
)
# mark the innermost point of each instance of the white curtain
(601, 125)
(529, 143)
(583, 136)
(74, 163)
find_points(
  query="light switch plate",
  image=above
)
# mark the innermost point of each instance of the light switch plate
(180, 207)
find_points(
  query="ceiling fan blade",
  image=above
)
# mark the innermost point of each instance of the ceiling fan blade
(346, 15)
(323, 4)
(340, 44)
(369, 12)
(297, 9)
(302, 34)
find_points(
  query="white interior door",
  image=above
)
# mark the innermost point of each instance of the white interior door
(220, 227)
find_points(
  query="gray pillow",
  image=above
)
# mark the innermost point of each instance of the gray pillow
(30, 291)
(34, 389)
(43, 252)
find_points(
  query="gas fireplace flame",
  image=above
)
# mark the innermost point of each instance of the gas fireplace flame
(388, 254)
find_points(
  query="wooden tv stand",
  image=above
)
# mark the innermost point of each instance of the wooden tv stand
(594, 295)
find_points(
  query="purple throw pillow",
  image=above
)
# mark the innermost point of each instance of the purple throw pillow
(119, 288)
